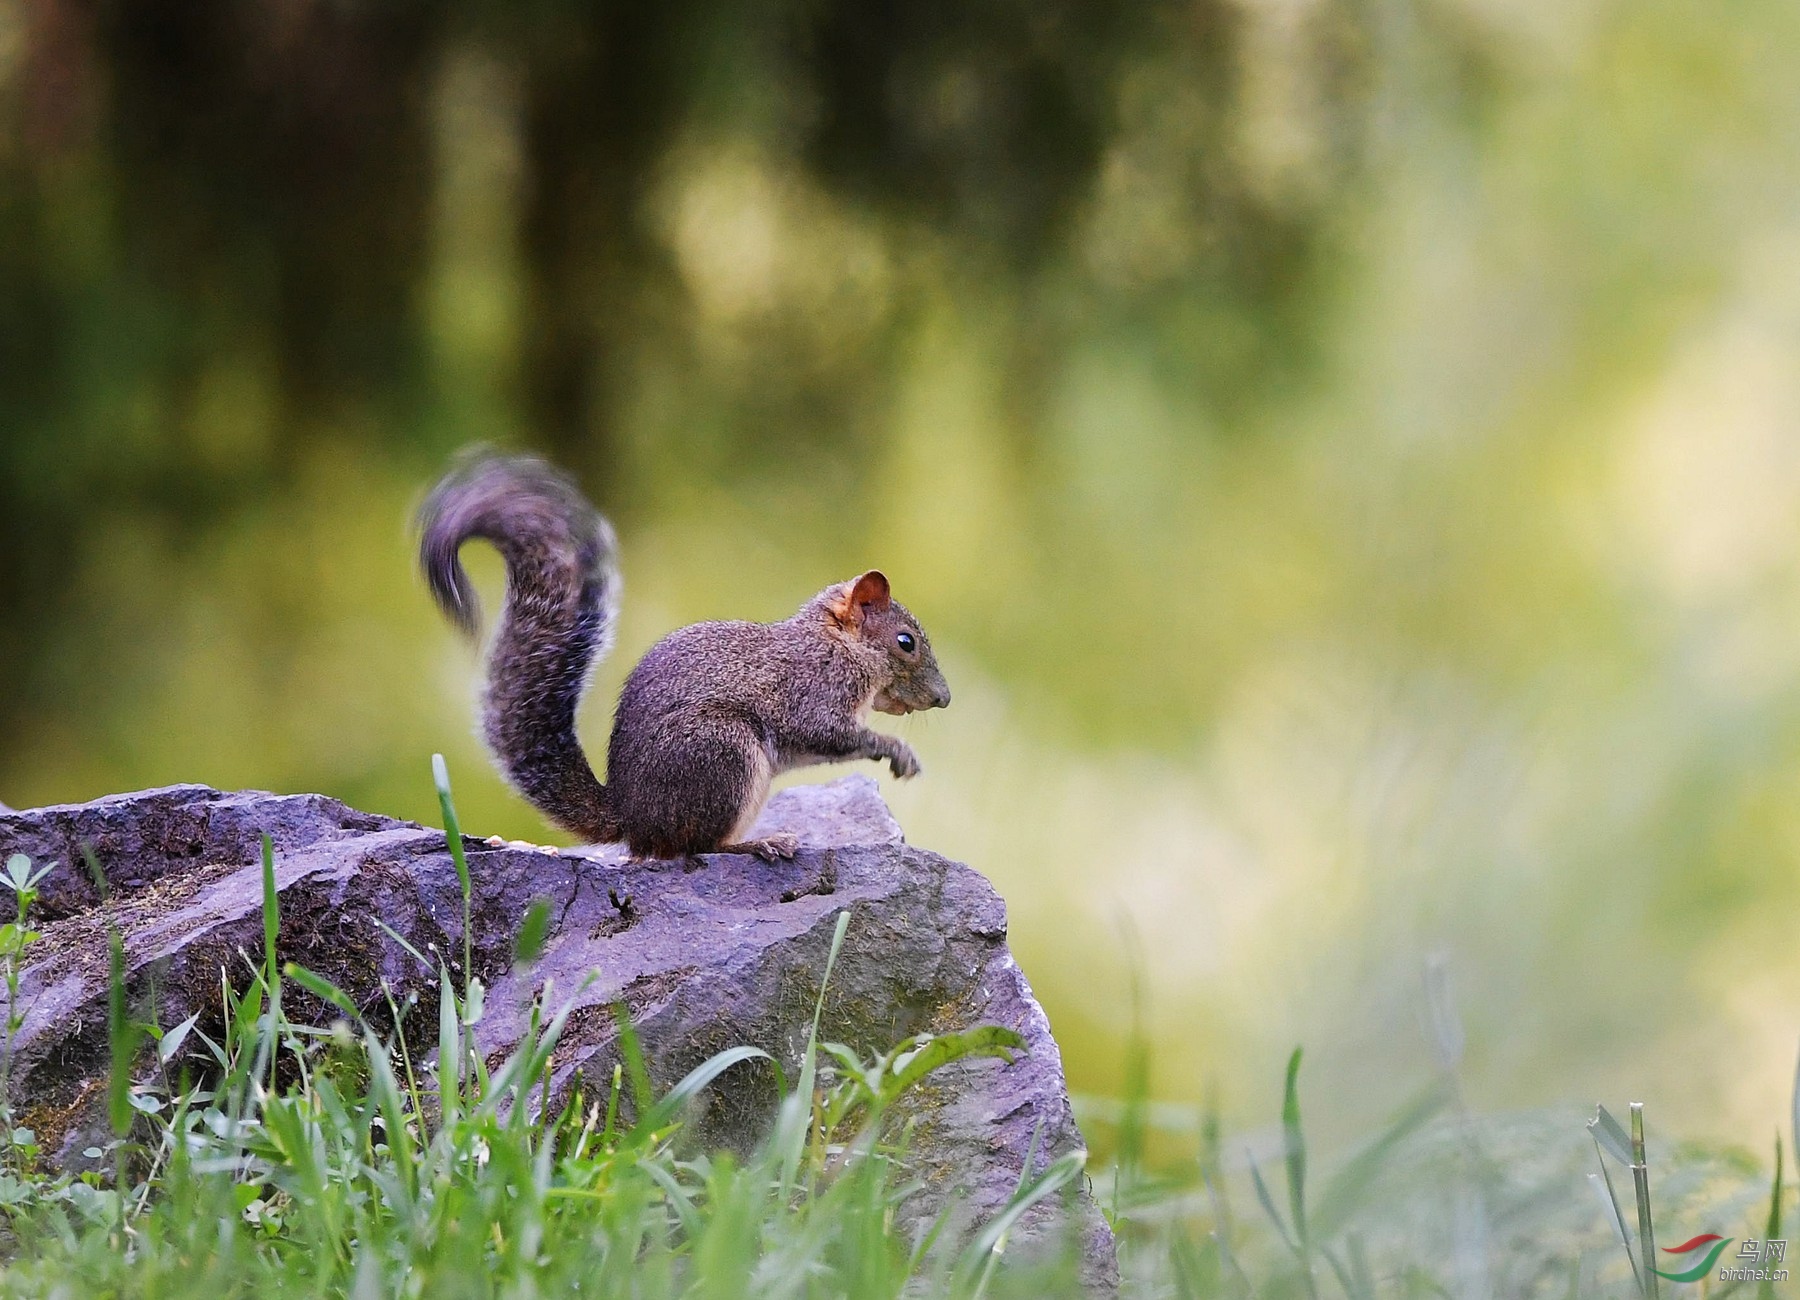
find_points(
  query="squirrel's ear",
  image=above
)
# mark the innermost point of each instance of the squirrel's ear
(868, 592)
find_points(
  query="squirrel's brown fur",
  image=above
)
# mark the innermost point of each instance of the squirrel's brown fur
(707, 718)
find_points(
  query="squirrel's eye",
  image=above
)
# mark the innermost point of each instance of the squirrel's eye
(906, 641)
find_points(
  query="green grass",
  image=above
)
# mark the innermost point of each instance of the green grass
(331, 1160)
(327, 1160)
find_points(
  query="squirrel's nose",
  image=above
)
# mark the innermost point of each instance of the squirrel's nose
(940, 698)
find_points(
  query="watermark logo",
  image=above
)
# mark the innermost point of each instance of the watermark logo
(1712, 1243)
(1758, 1259)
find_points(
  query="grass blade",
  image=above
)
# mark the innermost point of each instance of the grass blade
(632, 1053)
(984, 1040)
(1610, 1199)
(1058, 1174)
(1640, 1181)
(449, 1062)
(1294, 1145)
(1765, 1289)
(528, 946)
(1611, 1135)
(1609, 1208)
(697, 1079)
(440, 775)
(1268, 1204)
(1345, 1281)
(1447, 1039)
(321, 988)
(1346, 1188)
(271, 919)
(796, 1109)
(95, 873)
(405, 943)
(171, 1042)
(385, 1089)
(120, 1039)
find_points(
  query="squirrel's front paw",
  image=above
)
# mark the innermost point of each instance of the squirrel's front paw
(904, 763)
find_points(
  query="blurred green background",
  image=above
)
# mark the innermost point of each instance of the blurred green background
(1347, 453)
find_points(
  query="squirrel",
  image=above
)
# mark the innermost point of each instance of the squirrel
(711, 713)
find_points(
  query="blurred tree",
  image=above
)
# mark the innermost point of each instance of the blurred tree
(216, 221)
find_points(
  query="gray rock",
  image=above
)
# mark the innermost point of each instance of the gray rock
(707, 955)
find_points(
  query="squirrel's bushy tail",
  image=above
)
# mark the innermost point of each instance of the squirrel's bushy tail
(561, 598)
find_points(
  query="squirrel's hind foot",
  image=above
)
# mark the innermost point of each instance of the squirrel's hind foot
(771, 848)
